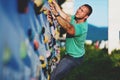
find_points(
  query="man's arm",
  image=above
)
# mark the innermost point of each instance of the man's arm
(66, 25)
(62, 14)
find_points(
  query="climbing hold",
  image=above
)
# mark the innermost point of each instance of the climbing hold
(57, 33)
(6, 55)
(48, 77)
(43, 30)
(42, 60)
(50, 1)
(48, 53)
(46, 40)
(30, 34)
(36, 44)
(23, 6)
(45, 12)
(38, 4)
(54, 59)
(23, 50)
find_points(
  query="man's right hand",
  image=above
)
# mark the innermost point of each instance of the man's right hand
(56, 5)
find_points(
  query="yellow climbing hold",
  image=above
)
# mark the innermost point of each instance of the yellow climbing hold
(39, 2)
(43, 63)
(50, 1)
(46, 39)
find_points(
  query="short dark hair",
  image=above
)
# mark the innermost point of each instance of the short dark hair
(90, 8)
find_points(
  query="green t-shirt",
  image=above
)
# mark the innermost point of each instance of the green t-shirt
(75, 44)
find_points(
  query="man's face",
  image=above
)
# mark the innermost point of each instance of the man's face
(82, 13)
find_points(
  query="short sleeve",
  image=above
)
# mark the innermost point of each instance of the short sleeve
(72, 19)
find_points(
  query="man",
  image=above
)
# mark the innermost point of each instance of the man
(76, 28)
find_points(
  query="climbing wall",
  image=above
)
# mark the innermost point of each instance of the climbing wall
(29, 45)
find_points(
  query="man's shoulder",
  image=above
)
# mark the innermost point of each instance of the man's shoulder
(72, 16)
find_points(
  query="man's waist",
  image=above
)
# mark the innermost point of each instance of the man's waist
(74, 56)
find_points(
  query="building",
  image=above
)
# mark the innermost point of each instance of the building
(114, 26)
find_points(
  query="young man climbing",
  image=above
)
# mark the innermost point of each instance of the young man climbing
(76, 28)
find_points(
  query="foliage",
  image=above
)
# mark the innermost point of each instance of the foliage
(97, 65)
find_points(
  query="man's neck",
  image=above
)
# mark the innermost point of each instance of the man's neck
(79, 20)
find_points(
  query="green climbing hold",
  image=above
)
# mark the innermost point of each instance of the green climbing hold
(23, 50)
(6, 55)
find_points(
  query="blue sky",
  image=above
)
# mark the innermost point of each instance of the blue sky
(99, 16)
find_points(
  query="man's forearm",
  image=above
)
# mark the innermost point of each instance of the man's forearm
(66, 25)
(64, 15)
(63, 19)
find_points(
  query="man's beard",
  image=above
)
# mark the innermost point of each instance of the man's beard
(76, 18)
